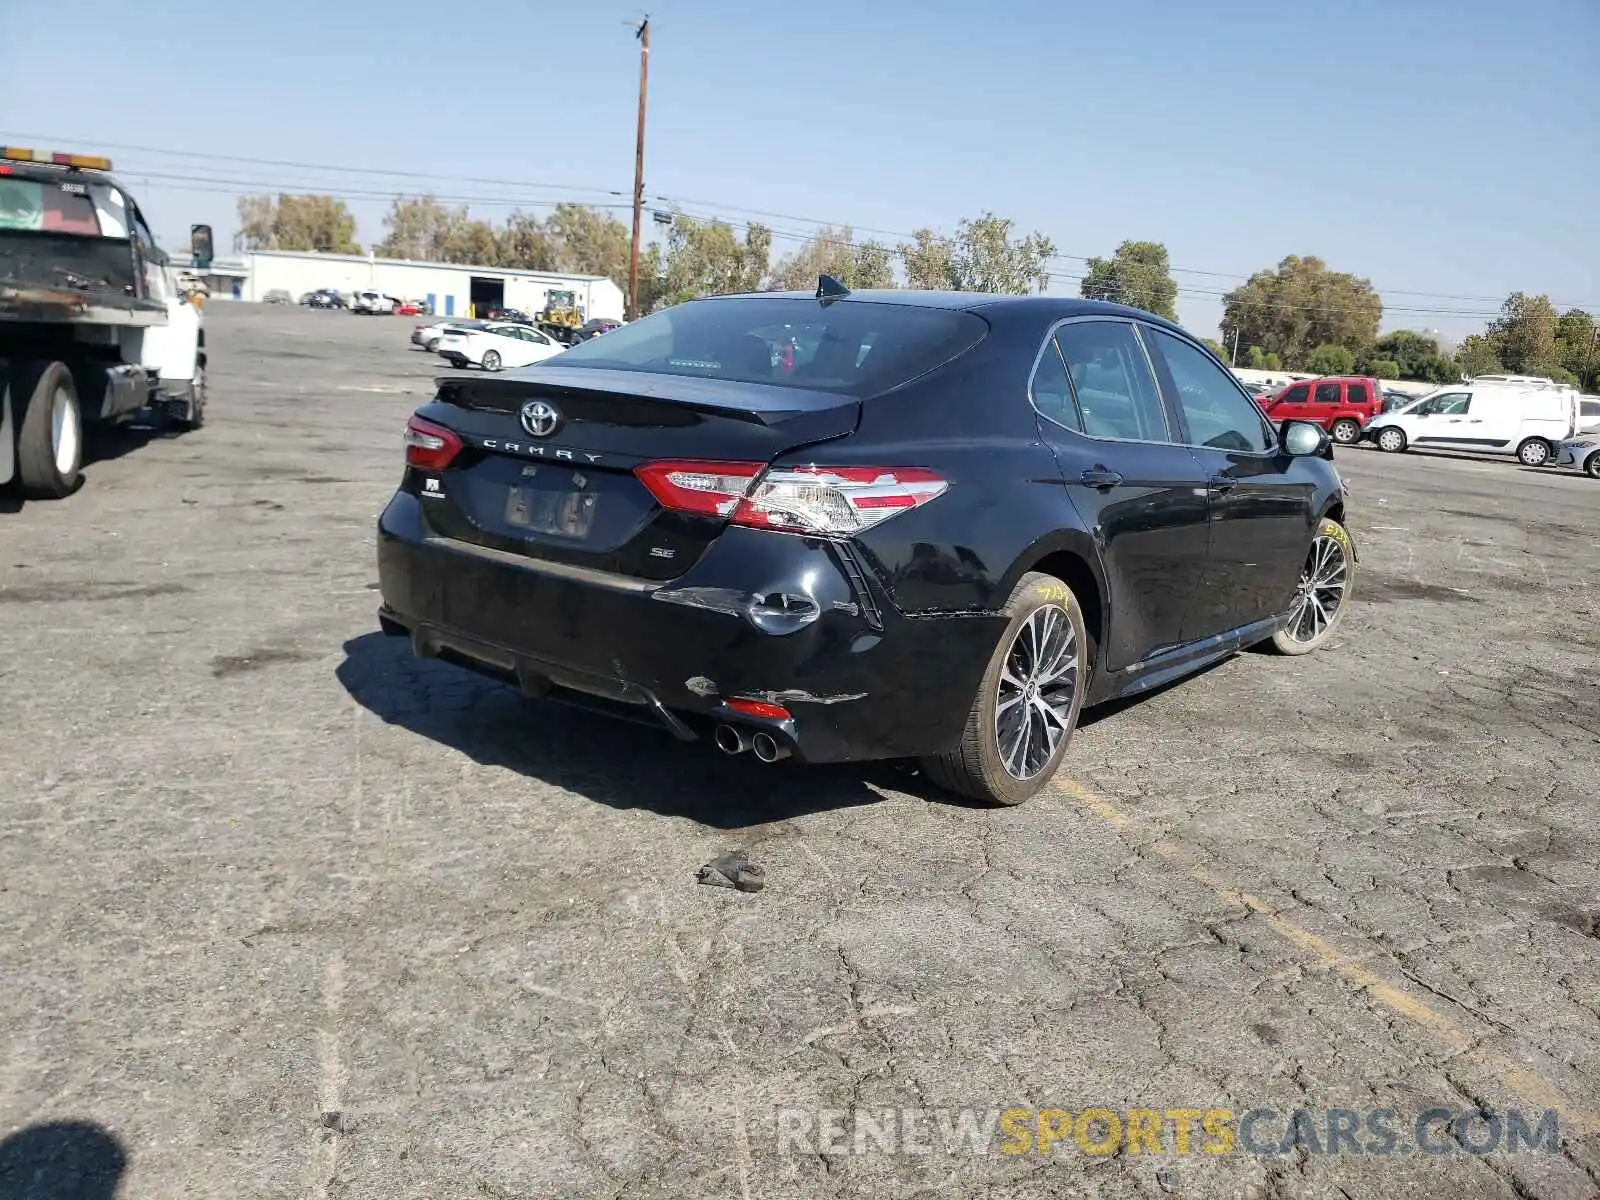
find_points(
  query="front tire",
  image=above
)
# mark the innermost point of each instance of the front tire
(1534, 452)
(1346, 432)
(1027, 705)
(1591, 465)
(1323, 593)
(49, 430)
(1391, 439)
(491, 360)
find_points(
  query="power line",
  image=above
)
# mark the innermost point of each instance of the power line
(721, 212)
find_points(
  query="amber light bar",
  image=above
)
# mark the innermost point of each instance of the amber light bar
(88, 162)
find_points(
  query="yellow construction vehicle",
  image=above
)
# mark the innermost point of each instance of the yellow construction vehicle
(561, 310)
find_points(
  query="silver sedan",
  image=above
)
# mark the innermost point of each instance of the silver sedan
(1581, 453)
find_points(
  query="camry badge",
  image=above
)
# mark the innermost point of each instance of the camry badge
(540, 419)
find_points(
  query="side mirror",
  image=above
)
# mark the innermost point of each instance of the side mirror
(1304, 439)
(200, 246)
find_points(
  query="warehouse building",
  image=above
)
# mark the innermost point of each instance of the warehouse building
(450, 289)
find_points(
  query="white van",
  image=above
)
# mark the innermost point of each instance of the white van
(1518, 415)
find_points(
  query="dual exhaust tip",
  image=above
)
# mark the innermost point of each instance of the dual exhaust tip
(731, 739)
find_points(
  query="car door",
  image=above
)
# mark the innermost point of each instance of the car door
(1459, 423)
(1260, 502)
(1142, 497)
(1292, 405)
(1324, 406)
(1430, 423)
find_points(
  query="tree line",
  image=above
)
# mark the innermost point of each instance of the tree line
(1299, 315)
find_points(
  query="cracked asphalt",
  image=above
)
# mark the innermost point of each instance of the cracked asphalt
(286, 913)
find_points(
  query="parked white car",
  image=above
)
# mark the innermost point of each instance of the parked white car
(428, 336)
(373, 302)
(1526, 417)
(496, 347)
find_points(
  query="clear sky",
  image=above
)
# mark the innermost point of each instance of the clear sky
(1436, 147)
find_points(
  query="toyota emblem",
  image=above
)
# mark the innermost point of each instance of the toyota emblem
(540, 418)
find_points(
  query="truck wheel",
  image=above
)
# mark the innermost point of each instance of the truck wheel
(197, 402)
(49, 430)
(1534, 452)
(1027, 704)
(1391, 439)
(1346, 431)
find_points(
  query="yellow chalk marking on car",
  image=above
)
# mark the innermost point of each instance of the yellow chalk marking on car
(1461, 1040)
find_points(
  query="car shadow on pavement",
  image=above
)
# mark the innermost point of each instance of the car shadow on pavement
(611, 762)
(61, 1160)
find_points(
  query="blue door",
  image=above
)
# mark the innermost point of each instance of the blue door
(449, 306)
(433, 306)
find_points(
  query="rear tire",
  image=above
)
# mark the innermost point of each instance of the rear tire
(1533, 452)
(1391, 439)
(998, 759)
(431, 345)
(49, 430)
(491, 360)
(1346, 432)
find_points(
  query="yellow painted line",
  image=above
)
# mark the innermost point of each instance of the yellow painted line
(1576, 1119)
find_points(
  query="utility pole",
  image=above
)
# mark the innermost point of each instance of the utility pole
(643, 34)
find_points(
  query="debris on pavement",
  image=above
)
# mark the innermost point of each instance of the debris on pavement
(733, 870)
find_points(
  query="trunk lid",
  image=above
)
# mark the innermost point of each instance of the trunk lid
(561, 487)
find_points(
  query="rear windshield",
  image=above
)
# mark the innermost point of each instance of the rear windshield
(47, 207)
(855, 348)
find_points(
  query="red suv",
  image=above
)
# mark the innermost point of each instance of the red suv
(1341, 405)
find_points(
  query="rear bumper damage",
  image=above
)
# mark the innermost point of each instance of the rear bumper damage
(767, 621)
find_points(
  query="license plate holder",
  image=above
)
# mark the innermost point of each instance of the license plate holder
(568, 514)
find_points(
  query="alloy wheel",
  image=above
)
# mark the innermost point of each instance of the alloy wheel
(1038, 683)
(1346, 432)
(1320, 594)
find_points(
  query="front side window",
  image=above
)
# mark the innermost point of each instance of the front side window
(1327, 393)
(1219, 415)
(1111, 378)
(1052, 392)
(1435, 406)
(1297, 394)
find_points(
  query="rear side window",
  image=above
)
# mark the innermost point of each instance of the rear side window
(1327, 393)
(47, 207)
(1296, 394)
(855, 348)
(1589, 408)
(1357, 393)
(1111, 377)
(1052, 393)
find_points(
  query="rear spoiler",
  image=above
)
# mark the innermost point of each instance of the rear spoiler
(653, 398)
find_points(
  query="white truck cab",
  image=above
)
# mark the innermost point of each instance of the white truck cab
(92, 325)
(1522, 415)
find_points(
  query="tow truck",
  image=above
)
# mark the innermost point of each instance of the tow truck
(93, 329)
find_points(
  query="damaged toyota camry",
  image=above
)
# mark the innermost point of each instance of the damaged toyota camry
(863, 525)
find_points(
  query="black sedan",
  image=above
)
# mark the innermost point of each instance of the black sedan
(935, 526)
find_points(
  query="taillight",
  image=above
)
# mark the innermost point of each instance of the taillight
(707, 489)
(430, 447)
(829, 501)
(835, 500)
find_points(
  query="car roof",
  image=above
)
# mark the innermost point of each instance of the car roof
(985, 303)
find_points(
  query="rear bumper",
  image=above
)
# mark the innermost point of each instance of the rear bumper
(859, 679)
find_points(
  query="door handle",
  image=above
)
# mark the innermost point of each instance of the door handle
(1100, 477)
(1221, 483)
